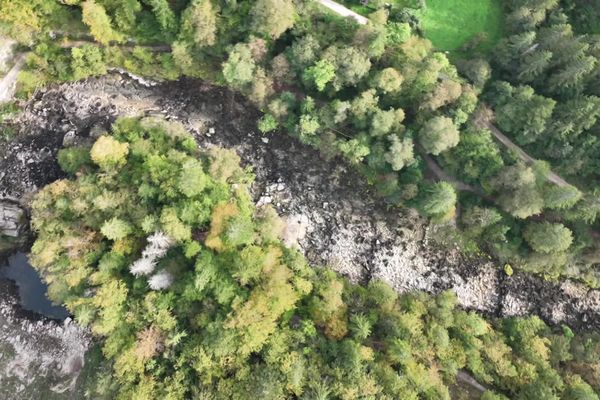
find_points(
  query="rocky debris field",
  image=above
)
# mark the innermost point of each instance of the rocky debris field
(332, 215)
(39, 358)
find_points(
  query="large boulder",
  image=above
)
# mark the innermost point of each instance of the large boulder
(12, 219)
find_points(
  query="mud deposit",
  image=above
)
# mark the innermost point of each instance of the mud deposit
(332, 214)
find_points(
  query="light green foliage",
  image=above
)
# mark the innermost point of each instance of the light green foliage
(73, 158)
(225, 165)
(561, 197)
(476, 158)
(548, 237)
(304, 52)
(109, 153)
(478, 71)
(227, 265)
(192, 179)
(321, 73)
(267, 123)
(24, 19)
(351, 65)
(163, 14)
(116, 229)
(239, 68)
(521, 112)
(398, 32)
(354, 150)
(384, 121)
(279, 52)
(518, 191)
(438, 134)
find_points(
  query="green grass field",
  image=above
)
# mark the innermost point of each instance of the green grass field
(449, 24)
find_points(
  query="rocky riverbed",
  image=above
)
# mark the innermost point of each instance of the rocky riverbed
(333, 216)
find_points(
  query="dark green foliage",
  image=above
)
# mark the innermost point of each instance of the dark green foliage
(72, 159)
(547, 237)
(438, 201)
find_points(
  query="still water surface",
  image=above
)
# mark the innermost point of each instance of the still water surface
(32, 290)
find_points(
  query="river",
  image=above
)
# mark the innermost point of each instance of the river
(32, 291)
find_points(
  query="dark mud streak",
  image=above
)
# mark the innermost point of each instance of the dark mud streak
(320, 188)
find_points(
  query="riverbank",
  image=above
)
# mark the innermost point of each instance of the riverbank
(335, 218)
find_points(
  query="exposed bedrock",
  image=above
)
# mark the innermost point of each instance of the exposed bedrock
(332, 214)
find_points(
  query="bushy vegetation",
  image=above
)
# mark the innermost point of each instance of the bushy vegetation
(156, 245)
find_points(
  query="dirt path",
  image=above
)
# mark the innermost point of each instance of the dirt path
(6, 53)
(343, 11)
(444, 176)
(502, 138)
(9, 81)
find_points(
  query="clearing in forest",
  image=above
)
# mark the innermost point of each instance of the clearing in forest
(450, 24)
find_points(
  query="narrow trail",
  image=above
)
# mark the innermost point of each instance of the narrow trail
(9, 81)
(343, 11)
(444, 176)
(502, 138)
(159, 48)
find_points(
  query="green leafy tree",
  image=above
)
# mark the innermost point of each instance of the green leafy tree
(546, 237)
(477, 70)
(304, 52)
(272, 17)
(438, 200)
(199, 23)
(320, 74)
(87, 61)
(267, 123)
(116, 229)
(72, 159)
(518, 191)
(561, 197)
(388, 80)
(398, 32)
(100, 24)
(438, 134)
(522, 112)
(239, 68)
(109, 153)
(351, 65)
(164, 15)
(400, 152)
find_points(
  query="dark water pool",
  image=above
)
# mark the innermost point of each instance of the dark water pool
(32, 290)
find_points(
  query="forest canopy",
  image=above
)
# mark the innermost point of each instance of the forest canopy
(381, 97)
